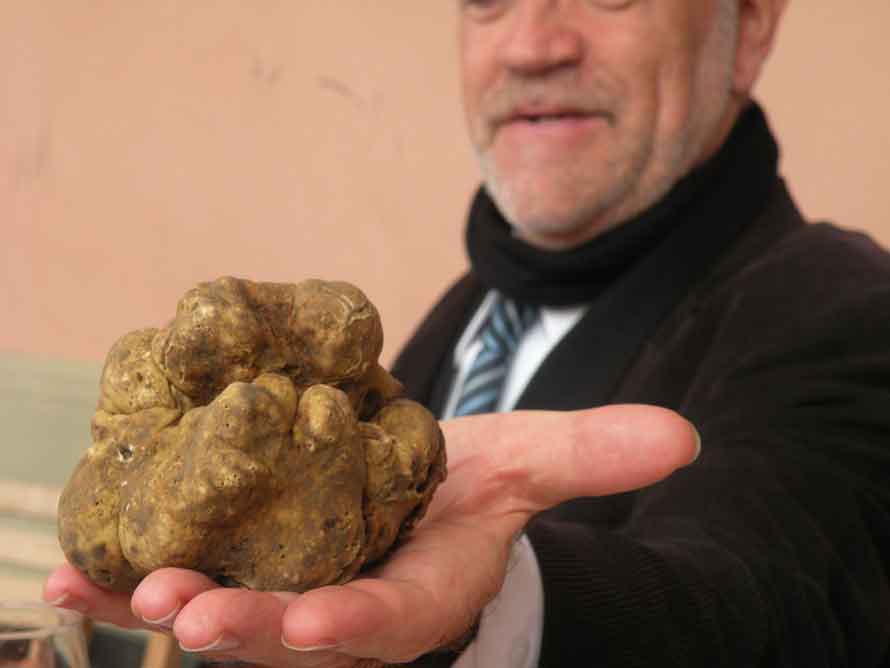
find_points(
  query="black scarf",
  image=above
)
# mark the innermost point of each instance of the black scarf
(728, 190)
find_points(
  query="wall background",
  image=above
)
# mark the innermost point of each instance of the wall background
(148, 146)
(155, 145)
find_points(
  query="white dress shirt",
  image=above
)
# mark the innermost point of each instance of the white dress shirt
(512, 624)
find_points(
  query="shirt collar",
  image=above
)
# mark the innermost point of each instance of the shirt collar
(555, 321)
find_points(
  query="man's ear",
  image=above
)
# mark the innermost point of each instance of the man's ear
(758, 23)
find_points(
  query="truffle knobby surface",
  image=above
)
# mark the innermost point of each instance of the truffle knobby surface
(256, 438)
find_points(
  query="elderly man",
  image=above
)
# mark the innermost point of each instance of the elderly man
(632, 244)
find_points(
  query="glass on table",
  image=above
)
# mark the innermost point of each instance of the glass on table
(38, 635)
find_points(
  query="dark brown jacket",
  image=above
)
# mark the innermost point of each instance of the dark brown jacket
(773, 548)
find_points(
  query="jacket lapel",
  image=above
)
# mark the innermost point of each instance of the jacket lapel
(424, 364)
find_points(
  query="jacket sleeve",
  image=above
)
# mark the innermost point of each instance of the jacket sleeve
(771, 549)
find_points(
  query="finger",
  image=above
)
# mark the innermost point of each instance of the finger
(427, 595)
(365, 618)
(239, 623)
(549, 457)
(67, 587)
(161, 595)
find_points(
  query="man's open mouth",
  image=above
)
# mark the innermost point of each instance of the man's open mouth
(550, 117)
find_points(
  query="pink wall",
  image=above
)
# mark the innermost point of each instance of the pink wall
(149, 146)
(827, 88)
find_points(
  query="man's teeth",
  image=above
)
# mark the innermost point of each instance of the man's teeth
(549, 118)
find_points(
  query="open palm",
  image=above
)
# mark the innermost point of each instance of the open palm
(502, 470)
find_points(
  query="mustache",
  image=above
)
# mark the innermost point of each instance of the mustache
(514, 97)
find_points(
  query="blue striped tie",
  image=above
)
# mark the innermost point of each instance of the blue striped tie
(506, 324)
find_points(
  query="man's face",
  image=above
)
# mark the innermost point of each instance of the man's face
(586, 112)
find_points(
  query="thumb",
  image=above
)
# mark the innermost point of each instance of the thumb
(538, 459)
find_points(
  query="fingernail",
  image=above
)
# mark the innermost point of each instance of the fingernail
(697, 444)
(224, 643)
(69, 602)
(321, 646)
(165, 622)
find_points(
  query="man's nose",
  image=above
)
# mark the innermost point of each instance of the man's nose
(541, 38)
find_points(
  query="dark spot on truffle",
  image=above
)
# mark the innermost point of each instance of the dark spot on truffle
(224, 580)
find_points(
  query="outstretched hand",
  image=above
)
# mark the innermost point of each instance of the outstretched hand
(503, 469)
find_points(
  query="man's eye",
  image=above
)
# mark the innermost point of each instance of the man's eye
(487, 9)
(484, 9)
